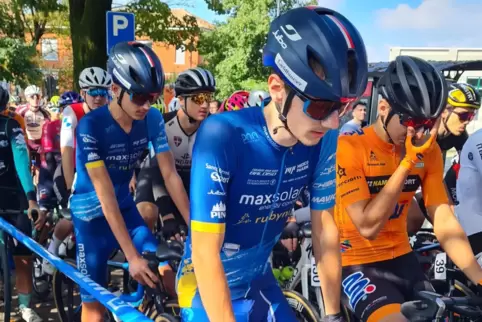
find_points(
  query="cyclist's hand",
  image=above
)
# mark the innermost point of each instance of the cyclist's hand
(334, 318)
(39, 223)
(171, 229)
(132, 184)
(33, 208)
(139, 270)
(289, 236)
(415, 153)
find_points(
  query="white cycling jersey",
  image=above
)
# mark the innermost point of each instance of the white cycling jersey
(469, 209)
(67, 131)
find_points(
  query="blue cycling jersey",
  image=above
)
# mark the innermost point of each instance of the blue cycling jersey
(244, 184)
(102, 142)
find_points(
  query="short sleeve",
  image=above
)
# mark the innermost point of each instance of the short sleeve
(89, 150)
(351, 183)
(67, 130)
(433, 188)
(322, 190)
(214, 160)
(157, 131)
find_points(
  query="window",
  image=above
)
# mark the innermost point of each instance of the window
(50, 50)
(180, 55)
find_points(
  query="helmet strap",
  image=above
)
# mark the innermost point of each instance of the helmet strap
(385, 122)
(184, 108)
(283, 113)
(444, 122)
(85, 101)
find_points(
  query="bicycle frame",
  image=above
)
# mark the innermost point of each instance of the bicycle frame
(301, 275)
(134, 298)
(116, 305)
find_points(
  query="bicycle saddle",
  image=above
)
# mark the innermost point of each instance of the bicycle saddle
(169, 250)
(305, 230)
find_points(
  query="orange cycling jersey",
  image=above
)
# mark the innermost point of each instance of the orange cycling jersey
(364, 164)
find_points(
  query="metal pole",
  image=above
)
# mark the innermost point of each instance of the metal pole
(277, 7)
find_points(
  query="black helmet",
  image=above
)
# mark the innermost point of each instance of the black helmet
(4, 98)
(413, 87)
(136, 68)
(194, 80)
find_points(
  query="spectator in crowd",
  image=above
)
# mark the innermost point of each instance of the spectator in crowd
(214, 106)
(359, 113)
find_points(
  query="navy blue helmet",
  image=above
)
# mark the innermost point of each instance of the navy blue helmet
(136, 68)
(329, 38)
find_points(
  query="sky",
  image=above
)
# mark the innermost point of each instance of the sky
(397, 23)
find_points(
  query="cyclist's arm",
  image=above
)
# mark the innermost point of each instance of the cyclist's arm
(325, 238)
(368, 215)
(102, 184)
(67, 144)
(215, 159)
(21, 158)
(446, 226)
(172, 181)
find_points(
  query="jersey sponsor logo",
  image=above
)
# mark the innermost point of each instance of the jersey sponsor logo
(341, 172)
(295, 178)
(216, 193)
(253, 182)
(274, 217)
(117, 146)
(376, 184)
(67, 123)
(230, 249)
(216, 177)
(331, 157)
(124, 157)
(324, 185)
(357, 287)
(327, 171)
(3, 143)
(290, 170)
(244, 220)
(219, 210)
(264, 172)
(92, 156)
(297, 168)
(479, 148)
(88, 139)
(177, 140)
(20, 140)
(250, 137)
(110, 128)
(324, 199)
(184, 161)
(265, 199)
(294, 78)
(139, 142)
(399, 208)
(217, 169)
(373, 160)
(349, 180)
(17, 129)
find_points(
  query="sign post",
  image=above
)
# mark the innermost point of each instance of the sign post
(120, 26)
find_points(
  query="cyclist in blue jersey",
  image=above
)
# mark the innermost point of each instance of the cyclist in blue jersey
(250, 166)
(110, 141)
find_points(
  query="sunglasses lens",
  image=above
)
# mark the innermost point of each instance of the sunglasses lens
(98, 92)
(467, 116)
(417, 123)
(201, 98)
(141, 99)
(319, 110)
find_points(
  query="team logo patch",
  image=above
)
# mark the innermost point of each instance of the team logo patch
(177, 140)
(357, 287)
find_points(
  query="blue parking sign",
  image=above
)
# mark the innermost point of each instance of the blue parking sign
(120, 26)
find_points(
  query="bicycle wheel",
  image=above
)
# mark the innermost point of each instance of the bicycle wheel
(69, 309)
(303, 309)
(5, 271)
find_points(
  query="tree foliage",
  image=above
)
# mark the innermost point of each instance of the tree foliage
(233, 51)
(17, 62)
(155, 20)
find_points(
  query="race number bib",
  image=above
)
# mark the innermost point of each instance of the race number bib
(440, 270)
(315, 280)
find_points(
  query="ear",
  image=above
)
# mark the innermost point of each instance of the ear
(383, 107)
(276, 88)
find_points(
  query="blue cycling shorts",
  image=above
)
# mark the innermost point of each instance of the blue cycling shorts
(95, 242)
(263, 302)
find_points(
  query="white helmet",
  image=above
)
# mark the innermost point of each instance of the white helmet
(94, 77)
(256, 97)
(32, 90)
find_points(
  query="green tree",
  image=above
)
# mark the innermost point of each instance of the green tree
(17, 62)
(233, 50)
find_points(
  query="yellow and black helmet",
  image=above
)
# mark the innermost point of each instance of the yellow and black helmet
(463, 95)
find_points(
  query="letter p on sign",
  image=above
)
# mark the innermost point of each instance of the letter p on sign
(120, 27)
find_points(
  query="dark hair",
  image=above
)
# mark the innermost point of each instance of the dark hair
(355, 104)
(218, 102)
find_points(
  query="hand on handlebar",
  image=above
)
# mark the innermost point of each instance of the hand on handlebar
(172, 230)
(140, 271)
(289, 236)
